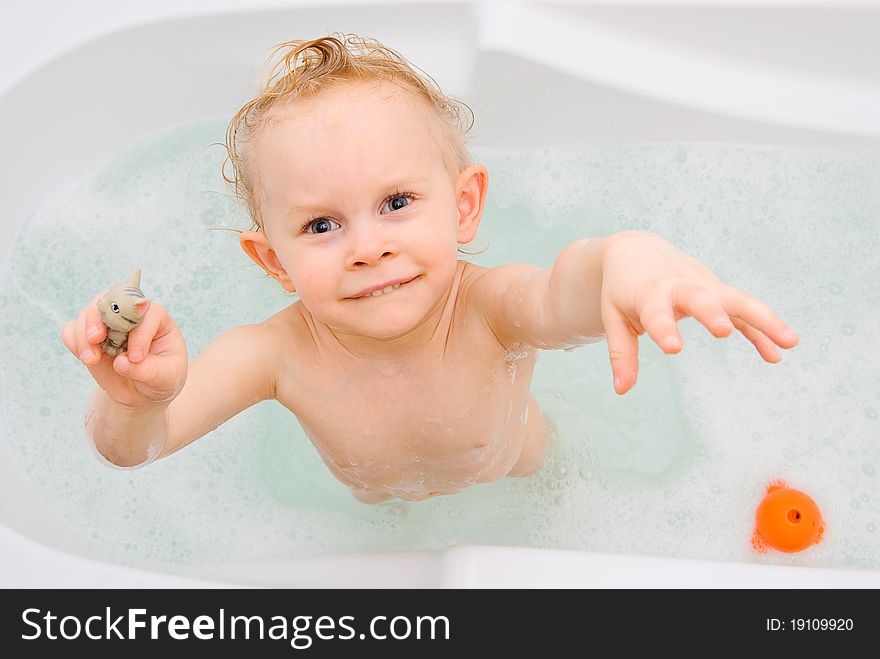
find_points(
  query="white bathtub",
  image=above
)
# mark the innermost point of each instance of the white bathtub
(679, 73)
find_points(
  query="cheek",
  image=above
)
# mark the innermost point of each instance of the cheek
(310, 276)
(439, 234)
(439, 249)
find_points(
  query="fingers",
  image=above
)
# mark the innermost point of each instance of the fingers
(704, 307)
(659, 322)
(144, 361)
(145, 370)
(83, 335)
(89, 337)
(720, 313)
(137, 363)
(140, 338)
(659, 318)
(623, 348)
(759, 316)
(763, 344)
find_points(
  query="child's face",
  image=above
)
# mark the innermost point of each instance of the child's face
(354, 193)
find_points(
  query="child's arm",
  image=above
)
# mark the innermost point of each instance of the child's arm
(150, 403)
(621, 287)
(237, 370)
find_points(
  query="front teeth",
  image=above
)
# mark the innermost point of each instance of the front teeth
(385, 290)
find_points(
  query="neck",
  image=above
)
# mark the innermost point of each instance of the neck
(395, 352)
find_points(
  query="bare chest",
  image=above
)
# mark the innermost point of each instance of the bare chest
(438, 425)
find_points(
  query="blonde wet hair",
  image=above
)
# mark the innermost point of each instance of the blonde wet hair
(301, 69)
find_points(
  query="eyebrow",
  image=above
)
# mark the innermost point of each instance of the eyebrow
(397, 184)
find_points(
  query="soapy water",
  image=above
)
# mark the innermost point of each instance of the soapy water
(674, 468)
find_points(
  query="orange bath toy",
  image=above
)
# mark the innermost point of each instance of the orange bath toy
(787, 520)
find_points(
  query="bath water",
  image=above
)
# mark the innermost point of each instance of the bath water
(674, 468)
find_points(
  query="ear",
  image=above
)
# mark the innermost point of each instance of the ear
(142, 307)
(471, 187)
(256, 245)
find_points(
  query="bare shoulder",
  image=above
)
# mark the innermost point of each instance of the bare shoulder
(288, 330)
(292, 334)
(483, 290)
(285, 321)
(251, 352)
(258, 351)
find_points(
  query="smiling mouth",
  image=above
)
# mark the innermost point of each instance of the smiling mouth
(384, 291)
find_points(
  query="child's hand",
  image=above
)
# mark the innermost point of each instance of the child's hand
(152, 370)
(647, 285)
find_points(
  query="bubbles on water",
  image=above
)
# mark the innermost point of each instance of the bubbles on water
(560, 470)
(585, 471)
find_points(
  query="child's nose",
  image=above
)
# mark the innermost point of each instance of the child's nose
(370, 244)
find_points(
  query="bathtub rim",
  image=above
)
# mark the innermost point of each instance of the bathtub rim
(460, 566)
(476, 560)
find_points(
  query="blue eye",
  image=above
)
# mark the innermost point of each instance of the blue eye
(398, 201)
(320, 225)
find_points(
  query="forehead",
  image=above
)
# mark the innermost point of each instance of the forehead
(360, 125)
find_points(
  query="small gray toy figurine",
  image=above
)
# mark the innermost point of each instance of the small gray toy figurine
(122, 308)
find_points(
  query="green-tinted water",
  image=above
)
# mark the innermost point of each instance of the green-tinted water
(675, 468)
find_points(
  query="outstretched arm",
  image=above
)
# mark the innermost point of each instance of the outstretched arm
(620, 287)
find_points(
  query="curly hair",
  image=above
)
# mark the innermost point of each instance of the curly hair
(300, 69)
